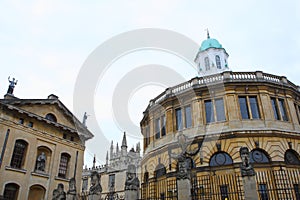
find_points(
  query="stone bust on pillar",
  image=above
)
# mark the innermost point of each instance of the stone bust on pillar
(246, 167)
(132, 184)
(95, 189)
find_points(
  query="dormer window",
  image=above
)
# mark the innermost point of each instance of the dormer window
(218, 62)
(206, 61)
(51, 117)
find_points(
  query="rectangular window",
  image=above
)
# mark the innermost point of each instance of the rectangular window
(297, 191)
(209, 111)
(188, 116)
(147, 135)
(63, 166)
(18, 154)
(263, 191)
(220, 110)
(30, 124)
(163, 125)
(157, 128)
(85, 184)
(65, 136)
(297, 112)
(275, 109)
(178, 119)
(244, 108)
(254, 108)
(111, 181)
(21, 121)
(224, 192)
(282, 110)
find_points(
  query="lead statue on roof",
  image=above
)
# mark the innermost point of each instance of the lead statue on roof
(12, 84)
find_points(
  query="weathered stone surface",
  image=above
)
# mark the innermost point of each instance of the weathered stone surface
(184, 189)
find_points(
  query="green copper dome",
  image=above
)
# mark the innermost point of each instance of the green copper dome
(210, 43)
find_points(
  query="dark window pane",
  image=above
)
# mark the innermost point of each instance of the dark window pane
(275, 109)
(21, 121)
(297, 112)
(220, 110)
(206, 60)
(297, 191)
(111, 181)
(254, 108)
(244, 107)
(63, 165)
(218, 62)
(224, 192)
(178, 119)
(11, 191)
(188, 117)
(209, 111)
(163, 125)
(18, 154)
(220, 159)
(51, 117)
(282, 109)
(263, 192)
(157, 128)
(147, 135)
(258, 156)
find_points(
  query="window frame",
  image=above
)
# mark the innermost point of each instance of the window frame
(63, 167)
(178, 126)
(18, 158)
(190, 116)
(280, 109)
(218, 62)
(214, 116)
(160, 127)
(206, 63)
(250, 110)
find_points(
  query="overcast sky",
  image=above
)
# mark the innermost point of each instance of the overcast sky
(43, 44)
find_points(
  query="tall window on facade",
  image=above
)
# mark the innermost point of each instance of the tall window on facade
(279, 109)
(206, 61)
(188, 116)
(157, 128)
(224, 192)
(249, 107)
(214, 110)
(19, 154)
(263, 191)
(147, 135)
(85, 184)
(111, 181)
(63, 165)
(178, 119)
(218, 62)
(11, 191)
(163, 125)
(297, 108)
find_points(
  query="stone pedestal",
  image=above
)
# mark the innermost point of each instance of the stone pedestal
(249, 183)
(184, 189)
(131, 195)
(95, 197)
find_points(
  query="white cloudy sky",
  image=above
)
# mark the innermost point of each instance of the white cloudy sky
(45, 43)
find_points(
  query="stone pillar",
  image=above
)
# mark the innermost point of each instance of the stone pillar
(184, 189)
(132, 184)
(131, 195)
(249, 183)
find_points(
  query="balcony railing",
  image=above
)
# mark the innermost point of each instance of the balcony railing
(224, 77)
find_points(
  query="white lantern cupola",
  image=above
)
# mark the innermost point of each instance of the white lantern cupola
(211, 57)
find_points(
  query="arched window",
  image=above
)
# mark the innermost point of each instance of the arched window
(160, 170)
(218, 62)
(206, 61)
(259, 156)
(220, 159)
(146, 177)
(63, 165)
(36, 192)
(19, 154)
(51, 117)
(11, 191)
(291, 157)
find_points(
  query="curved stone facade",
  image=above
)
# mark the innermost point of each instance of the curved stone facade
(219, 114)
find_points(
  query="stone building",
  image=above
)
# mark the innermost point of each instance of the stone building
(41, 145)
(222, 135)
(113, 173)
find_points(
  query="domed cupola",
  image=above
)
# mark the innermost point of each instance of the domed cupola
(211, 57)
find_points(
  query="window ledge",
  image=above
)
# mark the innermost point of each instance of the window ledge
(16, 169)
(41, 174)
(61, 179)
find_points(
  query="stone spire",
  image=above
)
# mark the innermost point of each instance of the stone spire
(117, 150)
(138, 147)
(106, 159)
(94, 161)
(111, 150)
(124, 146)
